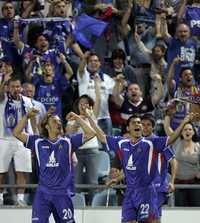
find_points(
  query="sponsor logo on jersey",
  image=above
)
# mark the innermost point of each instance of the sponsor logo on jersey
(52, 161)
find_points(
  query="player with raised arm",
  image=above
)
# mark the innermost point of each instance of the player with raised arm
(53, 153)
(138, 154)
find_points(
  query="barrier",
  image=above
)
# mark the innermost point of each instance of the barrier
(103, 215)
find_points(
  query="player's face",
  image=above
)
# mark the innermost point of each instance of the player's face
(93, 64)
(60, 9)
(42, 43)
(134, 93)
(187, 78)
(15, 89)
(188, 132)
(183, 32)
(147, 128)
(55, 125)
(8, 11)
(135, 128)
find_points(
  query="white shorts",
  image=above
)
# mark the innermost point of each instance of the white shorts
(21, 156)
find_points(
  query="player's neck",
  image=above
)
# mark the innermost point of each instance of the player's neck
(53, 136)
(135, 139)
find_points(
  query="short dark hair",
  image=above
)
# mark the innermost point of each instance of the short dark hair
(118, 53)
(133, 116)
(183, 68)
(161, 46)
(93, 54)
(14, 78)
(5, 3)
(149, 117)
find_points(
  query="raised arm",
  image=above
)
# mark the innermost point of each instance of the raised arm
(89, 133)
(171, 84)
(158, 90)
(173, 135)
(173, 165)
(97, 102)
(68, 70)
(6, 77)
(27, 11)
(18, 130)
(99, 133)
(181, 10)
(19, 44)
(117, 89)
(83, 63)
(124, 23)
(164, 28)
(141, 46)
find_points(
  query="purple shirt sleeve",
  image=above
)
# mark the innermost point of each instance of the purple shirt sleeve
(76, 140)
(113, 142)
(159, 143)
(168, 153)
(30, 143)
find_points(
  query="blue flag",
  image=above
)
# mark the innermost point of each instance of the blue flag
(87, 29)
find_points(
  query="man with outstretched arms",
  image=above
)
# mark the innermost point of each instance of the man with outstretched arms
(54, 157)
(138, 156)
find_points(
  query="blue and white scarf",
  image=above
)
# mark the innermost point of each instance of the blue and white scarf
(11, 114)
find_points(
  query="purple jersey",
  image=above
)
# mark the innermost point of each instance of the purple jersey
(139, 160)
(52, 55)
(54, 161)
(50, 94)
(186, 51)
(162, 180)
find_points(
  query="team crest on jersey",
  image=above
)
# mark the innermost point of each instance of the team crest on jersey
(130, 165)
(52, 161)
(60, 147)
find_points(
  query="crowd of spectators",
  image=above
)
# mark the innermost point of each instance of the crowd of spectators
(145, 60)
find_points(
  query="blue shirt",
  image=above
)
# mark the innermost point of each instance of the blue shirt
(6, 29)
(185, 50)
(54, 161)
(139, 160)
(29, 54)
(162, 182)
(192, 17)
(50, 94)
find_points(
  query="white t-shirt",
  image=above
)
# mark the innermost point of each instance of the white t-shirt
(4, 134)
(42, 110)
(86, 85)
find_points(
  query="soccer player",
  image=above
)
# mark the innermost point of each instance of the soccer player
(162, 184)
(54, 156)
(138, 154)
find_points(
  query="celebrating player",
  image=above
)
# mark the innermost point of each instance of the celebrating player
(140, 170)
(53, 153)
